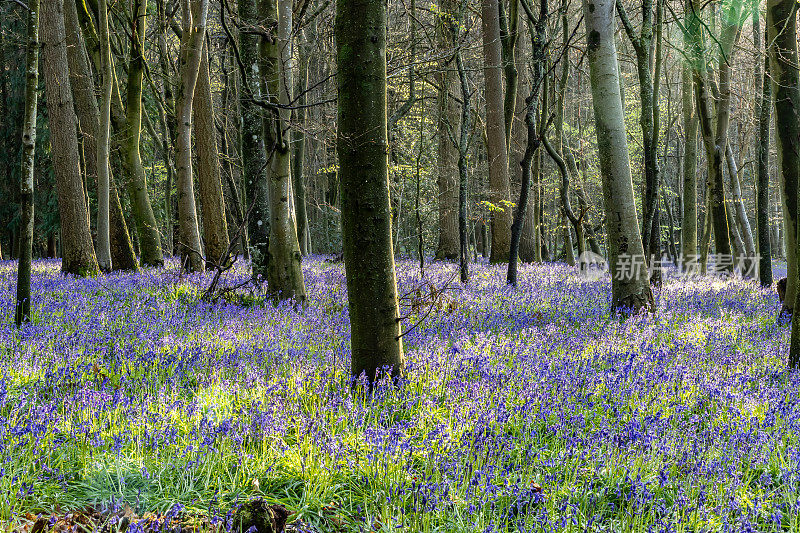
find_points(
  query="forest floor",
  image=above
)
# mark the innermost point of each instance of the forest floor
(529, 409)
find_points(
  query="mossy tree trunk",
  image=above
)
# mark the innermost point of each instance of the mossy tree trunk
(630, 286)
(136, 180)
(362, 147)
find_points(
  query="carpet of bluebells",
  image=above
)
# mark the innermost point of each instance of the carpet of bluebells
(528, 409)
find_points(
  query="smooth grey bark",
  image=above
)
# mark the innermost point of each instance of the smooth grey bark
(630, 289)
(496, 146)
(22, 311)
(78, 256)
(364, 179)
(193, 31)
(209, 182)
(103, 248)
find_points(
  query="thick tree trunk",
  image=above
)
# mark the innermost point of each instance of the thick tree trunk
(499, 188)
(23, 304)
(447, 157)
(194, 27)
(762, 107)
(254, 157)
(782, 39)
(215, 227)
(630, 286)
(167, 118)
(77, 251)
(364, 177)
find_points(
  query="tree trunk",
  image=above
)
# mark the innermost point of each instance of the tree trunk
(83, 93)
(538, 39)
(364, 178)
(748, 247)
(496, 148)
(77, 251)
(689, 221)
(215, 227)
(630, 286)
(782, 39)
(142, 209)
(762, 107)
(447, 122)
(284, 272)
(299, 142)
(254, 158)
(104, 132)
(194, 26)
(714, 142)
(23, 304)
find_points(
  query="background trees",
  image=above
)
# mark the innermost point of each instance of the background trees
(250, 100)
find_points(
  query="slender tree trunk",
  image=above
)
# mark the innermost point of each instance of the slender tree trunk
(194, 26)
(447, 158)
(689, 221)
(745, 233)
(254, 157)
(538, 40)
(509, 35)
(782, 39)
(23, 305)
(77, 251)
(630, 286)
(496, 147)
(215, 227)
(83, 93)
(166, 116)
(299, 142)
(284, 272)
(714, 142)
(142, 209)
(763, 104)
(103, 154)
(364, 178)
